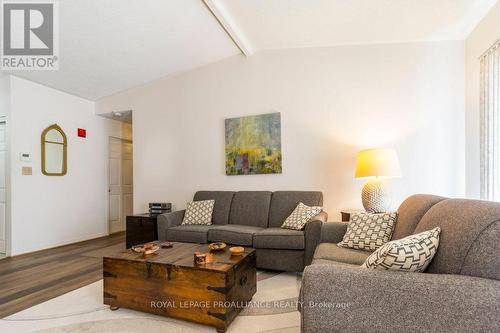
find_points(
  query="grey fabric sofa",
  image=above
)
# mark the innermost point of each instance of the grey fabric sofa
(253, 219)
(459, 292)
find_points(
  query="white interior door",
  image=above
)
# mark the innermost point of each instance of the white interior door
(121, 184)
(3, 186)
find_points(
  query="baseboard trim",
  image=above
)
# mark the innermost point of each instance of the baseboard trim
(75, 241)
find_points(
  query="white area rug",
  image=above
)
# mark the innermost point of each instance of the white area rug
(82, 311)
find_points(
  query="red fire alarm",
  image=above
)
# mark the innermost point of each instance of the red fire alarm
(82, 133)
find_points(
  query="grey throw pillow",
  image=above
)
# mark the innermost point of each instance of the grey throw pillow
(412, 254)
(300, 216)
(368, 231)
(199, 212)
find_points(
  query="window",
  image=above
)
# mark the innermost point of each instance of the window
(490, 123)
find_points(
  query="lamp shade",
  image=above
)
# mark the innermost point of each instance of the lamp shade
(377, 163)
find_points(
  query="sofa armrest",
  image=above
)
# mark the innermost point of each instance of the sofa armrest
(353, 299)
(168, 220)
(333, 232)
(312, 233)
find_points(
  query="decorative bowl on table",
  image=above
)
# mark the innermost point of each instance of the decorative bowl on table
(146, 248)
(237, 250)
(216, 246)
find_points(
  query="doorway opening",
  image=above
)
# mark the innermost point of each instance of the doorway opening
(120, 192)
(121, 183)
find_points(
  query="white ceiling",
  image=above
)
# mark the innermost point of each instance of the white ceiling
(271, 24)
(112, 45)
(109, 46)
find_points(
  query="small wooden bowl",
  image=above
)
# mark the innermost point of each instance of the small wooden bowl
(166, 245)
(216, 246)
(237, 250)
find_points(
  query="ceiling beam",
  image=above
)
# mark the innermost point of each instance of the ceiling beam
(227, 23)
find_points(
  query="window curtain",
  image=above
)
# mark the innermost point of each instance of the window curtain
(490, 123)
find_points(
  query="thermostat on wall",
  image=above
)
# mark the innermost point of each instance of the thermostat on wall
(25, 157)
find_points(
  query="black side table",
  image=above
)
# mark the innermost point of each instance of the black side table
(141, 229)
(346, 213)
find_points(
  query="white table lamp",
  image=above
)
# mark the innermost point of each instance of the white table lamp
(377, 164)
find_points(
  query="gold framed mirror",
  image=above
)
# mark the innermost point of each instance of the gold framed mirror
(54, 151)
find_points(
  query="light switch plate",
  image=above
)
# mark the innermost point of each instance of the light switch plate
(25, 157)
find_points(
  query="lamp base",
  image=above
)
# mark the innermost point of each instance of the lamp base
(376, 196)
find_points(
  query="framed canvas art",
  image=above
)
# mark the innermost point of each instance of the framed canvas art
(253, 144)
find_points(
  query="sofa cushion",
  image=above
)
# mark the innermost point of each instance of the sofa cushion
(199, 213)
(468, 243)
(331, 251)
(222, 206)
(233, 234)
(367, 231)
(284, 202)
(411, 254)
(411, 211)
(188, 233)
(483, 259)
(279, 238)
(250, 208)
(331, 262)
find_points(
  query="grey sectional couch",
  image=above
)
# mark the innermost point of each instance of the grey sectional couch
(460, 291)
(253, 218)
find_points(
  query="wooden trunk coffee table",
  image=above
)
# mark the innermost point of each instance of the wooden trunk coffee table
(169, 283)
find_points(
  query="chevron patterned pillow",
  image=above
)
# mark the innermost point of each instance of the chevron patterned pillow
(199, 212)
(300, 216)
(367, 231)
(413, 253)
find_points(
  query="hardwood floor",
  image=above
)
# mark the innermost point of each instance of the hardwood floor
(33, 278)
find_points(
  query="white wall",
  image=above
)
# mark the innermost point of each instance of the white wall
(333, 102)
(483, 36)
(50, 211)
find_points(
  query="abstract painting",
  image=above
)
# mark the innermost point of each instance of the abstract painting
(253, 144)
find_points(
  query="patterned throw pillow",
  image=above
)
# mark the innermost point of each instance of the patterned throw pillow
(199, 212)
(368, 231)
(412, 254)
(300, 216)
